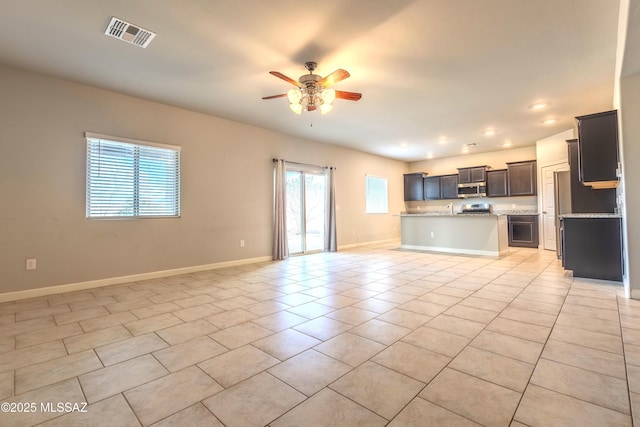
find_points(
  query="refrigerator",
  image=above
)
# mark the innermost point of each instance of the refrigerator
(562, 203)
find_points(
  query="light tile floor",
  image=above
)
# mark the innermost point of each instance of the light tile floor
(372, 336)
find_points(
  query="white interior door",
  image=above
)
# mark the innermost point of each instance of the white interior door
(548, 205)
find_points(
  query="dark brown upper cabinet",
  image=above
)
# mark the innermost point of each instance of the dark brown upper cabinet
(598, 149)
(432, 188)
(414, 186)
(497, 185)
(472, 174)
(449, 186)
(586, 199)
(522, 178)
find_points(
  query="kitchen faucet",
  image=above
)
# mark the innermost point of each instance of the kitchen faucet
(450, 208)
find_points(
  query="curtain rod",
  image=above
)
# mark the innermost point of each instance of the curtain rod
(304, 164)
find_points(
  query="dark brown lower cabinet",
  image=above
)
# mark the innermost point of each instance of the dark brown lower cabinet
(523, 231)
(592, 247)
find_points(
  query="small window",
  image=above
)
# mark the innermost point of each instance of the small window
(127, 178)
(377, 199)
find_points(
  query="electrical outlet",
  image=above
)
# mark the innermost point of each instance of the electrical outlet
(31, 264)
(242, 243)
(433, 234)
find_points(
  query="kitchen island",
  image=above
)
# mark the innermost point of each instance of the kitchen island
(471, 234)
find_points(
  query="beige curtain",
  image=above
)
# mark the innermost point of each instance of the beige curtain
(330, 242)
(280, 248)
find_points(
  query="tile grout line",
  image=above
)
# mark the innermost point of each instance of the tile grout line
(466, 346)
(624, 358)
(376, 317)
(543, 346)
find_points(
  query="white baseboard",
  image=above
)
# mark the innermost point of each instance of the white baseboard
(91, 284)
(376, 242)
(454, 250)
(50, 290)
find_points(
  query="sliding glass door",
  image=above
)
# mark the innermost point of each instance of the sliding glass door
(306, 198)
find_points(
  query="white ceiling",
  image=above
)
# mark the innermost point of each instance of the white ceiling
(427, 69)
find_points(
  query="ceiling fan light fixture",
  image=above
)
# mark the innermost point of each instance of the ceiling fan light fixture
(328, 96)
(294, 96)
(312, 91)
(296, 108)
(325, 108)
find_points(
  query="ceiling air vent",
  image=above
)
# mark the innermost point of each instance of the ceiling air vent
(129, 33)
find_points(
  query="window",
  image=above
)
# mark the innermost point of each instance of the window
(128, 178)
(377, 200)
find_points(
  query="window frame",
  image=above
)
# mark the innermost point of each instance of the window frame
(137, 146)
(386, 195)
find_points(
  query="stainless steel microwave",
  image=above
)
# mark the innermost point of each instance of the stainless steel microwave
(472, 189)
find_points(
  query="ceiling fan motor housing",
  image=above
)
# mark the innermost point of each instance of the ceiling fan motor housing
(310, 87)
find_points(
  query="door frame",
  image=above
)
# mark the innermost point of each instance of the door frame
(304, 170)
(556, 167)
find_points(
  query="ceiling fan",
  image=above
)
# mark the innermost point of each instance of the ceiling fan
(313, 90)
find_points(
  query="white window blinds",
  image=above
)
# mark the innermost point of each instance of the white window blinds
(127, 178)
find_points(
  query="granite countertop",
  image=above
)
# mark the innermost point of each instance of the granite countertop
(493, 213)
(591, 215)
(448, 214)
(518, 212)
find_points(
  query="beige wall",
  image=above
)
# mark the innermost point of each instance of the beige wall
(553, 150)
(629, 111)
(227, 186)
(495, 159)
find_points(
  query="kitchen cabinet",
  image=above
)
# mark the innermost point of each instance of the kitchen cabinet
(449, 186)
(497, 183)
(585, 199)
(592, 247)
(431, 186)
(522, 178)
(414, 186)
(598, 149)
(523, 231)
(472, 174)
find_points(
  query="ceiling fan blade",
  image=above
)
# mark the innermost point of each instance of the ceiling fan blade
(350, 96)
(285, 78)
(333, 78)
(282, 95)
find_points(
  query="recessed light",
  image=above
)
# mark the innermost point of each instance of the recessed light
(442, 140)
(404, 145)
(430, 156)
(549, 121)
(539, 105)
(507, 144)
(489, 132)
